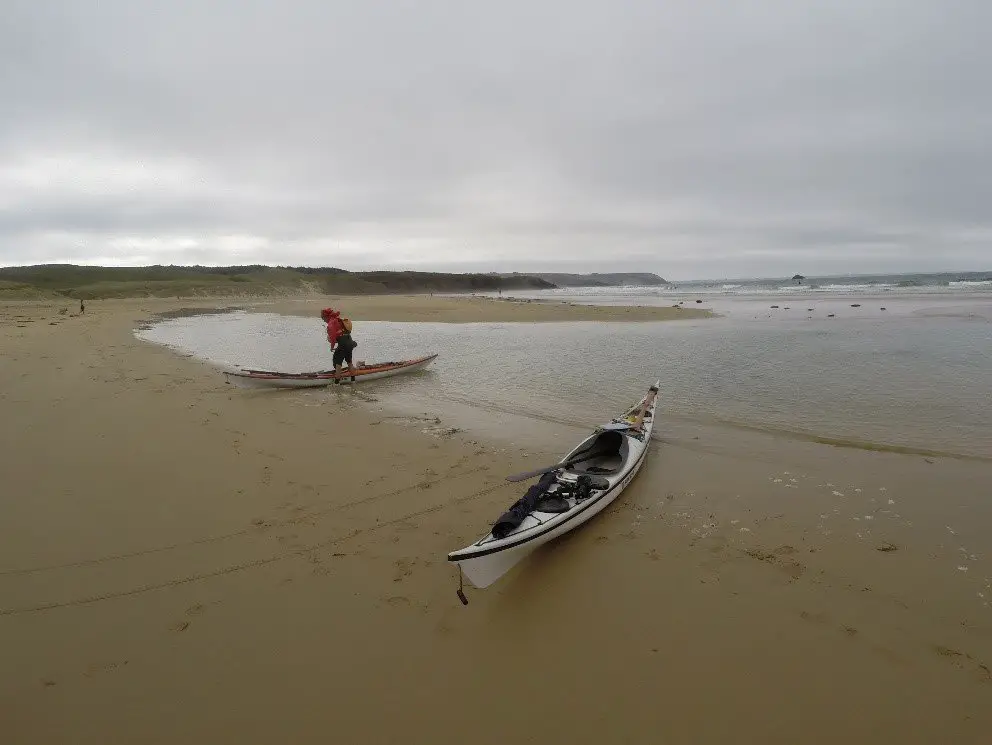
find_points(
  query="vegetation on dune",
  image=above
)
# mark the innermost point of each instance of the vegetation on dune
(87, 282)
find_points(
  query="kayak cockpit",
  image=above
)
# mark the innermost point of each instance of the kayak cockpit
(608, 451)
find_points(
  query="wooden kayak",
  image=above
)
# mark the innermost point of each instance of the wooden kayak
(373, 371)
(571, 492)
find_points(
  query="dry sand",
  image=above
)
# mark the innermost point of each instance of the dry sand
(185, 562)
(473, 309)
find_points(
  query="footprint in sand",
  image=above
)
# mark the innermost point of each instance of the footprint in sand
(794, 569)
(313, 556)
(95, 668)
(404, 569)
(196, 610)
(397, 601)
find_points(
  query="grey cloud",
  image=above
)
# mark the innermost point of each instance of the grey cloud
(515, 135)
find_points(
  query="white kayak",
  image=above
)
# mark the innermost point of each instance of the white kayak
(373, 371)
(580, 486)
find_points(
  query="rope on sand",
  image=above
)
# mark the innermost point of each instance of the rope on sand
(248, 564)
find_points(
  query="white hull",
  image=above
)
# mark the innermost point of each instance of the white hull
(482, 572)
(256, 379)
(490, 558)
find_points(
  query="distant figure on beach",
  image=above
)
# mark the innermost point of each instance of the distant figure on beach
(339, 337)
(82, 308)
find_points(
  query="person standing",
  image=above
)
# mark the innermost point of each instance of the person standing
(340, 339)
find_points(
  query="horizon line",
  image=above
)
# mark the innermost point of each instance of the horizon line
(533, 273)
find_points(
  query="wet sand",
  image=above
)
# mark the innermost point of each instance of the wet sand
(181, 561)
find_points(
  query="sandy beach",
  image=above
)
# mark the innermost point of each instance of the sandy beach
(182, 561)
(473, 309)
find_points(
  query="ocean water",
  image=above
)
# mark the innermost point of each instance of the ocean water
(885, 286)
(917, 375)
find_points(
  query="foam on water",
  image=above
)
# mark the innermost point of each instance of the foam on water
(969, 283)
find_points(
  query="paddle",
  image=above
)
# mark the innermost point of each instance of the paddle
(564, 464)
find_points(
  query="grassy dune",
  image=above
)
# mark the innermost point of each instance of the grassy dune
(88, 282)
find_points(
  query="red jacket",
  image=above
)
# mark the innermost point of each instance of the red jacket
(334, 329)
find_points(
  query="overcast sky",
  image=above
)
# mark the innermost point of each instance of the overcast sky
(696, 140)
